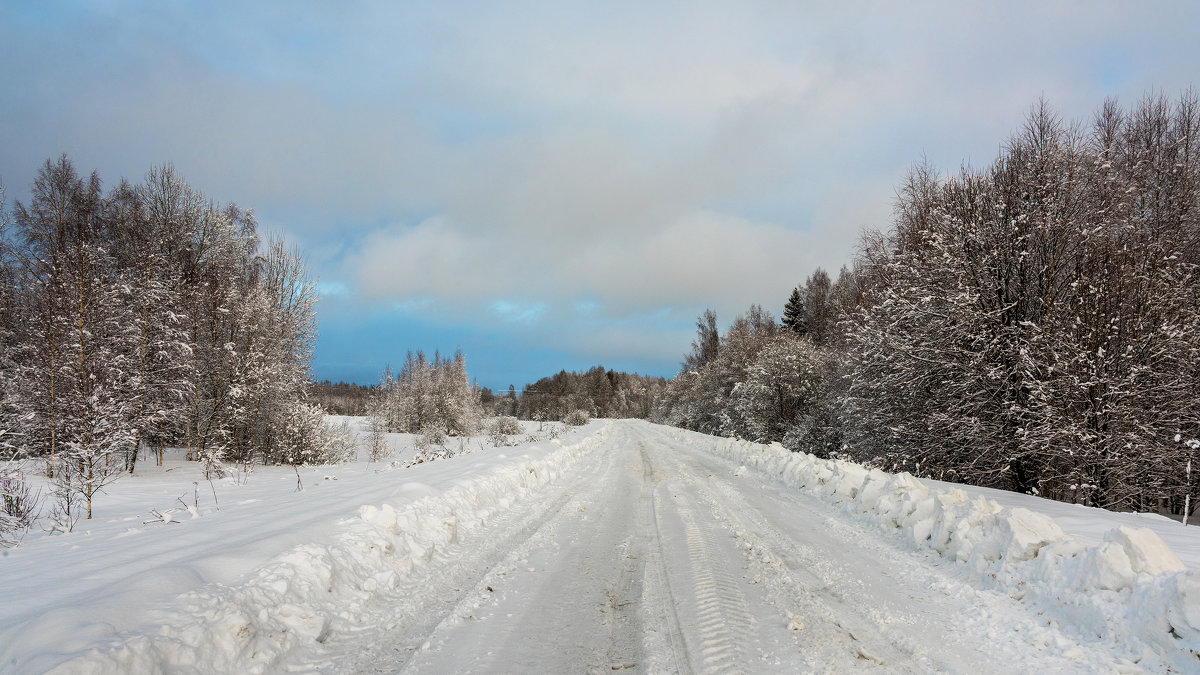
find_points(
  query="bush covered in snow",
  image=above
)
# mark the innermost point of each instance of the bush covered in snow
(307, 438)
(20, 504)
(506, 425)
(502, 428)
(576, 418)
(378, 448)
(430, 437)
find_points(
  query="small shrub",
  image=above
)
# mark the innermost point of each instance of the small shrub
(431, 446)
(306, 438)
(66, 509)
(19, 505)
(378, 448)
(431, 436)
(506, 425)
(501, 429)
(576, 418)
(340, 444)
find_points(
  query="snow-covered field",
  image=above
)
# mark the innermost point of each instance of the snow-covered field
(621, 545)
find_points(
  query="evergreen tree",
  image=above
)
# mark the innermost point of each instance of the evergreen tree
(794, 314)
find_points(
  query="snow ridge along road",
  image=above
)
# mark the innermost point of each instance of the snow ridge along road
(627, 547)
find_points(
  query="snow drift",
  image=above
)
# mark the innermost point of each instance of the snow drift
(294, 599)
(1130, 585)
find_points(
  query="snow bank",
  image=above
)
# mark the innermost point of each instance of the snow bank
(294, 599)
(1129, 585)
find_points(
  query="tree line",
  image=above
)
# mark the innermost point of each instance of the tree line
(595, 392)
(435, 400)
(1032, 325)
(435, 397)
(341, 398)
(147, 315)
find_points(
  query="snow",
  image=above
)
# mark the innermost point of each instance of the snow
(1089, 525)
(620, 545)
(1129, 586)
(266, 547)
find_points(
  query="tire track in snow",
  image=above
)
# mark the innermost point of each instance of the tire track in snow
(827, 627)
(441, 595)
(809, 604)
(565, 594)
(664, 648)
(888, 602)
(624, 625)
(722, 618)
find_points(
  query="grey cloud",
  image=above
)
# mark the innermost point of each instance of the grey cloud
(639, 155)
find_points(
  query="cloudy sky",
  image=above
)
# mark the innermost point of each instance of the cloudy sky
(555, 185)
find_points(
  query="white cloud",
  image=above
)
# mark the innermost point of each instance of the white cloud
(699, 259)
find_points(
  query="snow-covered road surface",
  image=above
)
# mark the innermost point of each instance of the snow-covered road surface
(621, 547)
(652, 555)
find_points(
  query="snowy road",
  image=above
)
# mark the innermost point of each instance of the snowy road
(622, 546)
(653, 555)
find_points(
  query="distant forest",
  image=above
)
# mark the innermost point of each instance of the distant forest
(596, 392)
(1031, 325)
(341, 398)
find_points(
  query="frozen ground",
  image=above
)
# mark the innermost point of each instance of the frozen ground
(622, 546)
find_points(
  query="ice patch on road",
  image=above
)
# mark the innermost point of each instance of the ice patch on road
(1129, 589)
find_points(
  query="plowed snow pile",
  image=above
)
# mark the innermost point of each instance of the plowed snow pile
(1129, 585)
(299, 594)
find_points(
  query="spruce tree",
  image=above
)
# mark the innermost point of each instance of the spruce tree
(793, 313)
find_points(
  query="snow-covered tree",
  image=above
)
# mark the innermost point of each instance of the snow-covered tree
(14, 408)
(428, 397)
(1038, 314)
(782, 382)
(820, 319)
(147, 241)
(707, 343)
(145, 315)
(78, 366)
